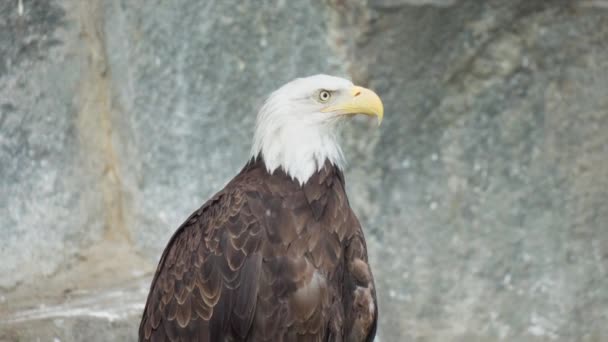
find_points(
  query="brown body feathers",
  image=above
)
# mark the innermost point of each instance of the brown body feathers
(266, 259)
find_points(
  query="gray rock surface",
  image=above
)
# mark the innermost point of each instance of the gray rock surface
(491, 199)
(483, 194)
(48, 180)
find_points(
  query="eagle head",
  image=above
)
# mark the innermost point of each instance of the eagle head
(296, 128)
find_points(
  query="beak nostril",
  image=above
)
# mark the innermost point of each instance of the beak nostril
(357, 93)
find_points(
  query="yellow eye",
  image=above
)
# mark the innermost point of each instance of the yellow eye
(324, 96)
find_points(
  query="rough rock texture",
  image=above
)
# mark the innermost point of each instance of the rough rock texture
(484, 193)
(49, 182)
(490, 201)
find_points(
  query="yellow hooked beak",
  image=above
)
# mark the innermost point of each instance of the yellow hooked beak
(360, 101)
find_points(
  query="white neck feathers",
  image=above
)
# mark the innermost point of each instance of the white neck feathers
(296, 142)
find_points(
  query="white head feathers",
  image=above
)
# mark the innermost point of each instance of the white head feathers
(293, 133)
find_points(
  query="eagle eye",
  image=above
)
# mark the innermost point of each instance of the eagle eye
(324, 95)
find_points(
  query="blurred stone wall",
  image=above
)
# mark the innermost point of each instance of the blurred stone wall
(484, 194)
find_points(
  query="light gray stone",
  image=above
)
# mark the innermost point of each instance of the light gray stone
(110, 314)
(48, 195)
(488, 215)
(388, 4)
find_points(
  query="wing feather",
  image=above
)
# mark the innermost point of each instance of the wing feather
(206, 282)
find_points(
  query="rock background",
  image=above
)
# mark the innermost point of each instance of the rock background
(484, 194)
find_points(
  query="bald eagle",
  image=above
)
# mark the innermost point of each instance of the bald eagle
(278, 254)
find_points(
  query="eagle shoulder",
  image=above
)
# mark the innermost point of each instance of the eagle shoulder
(206, 282)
